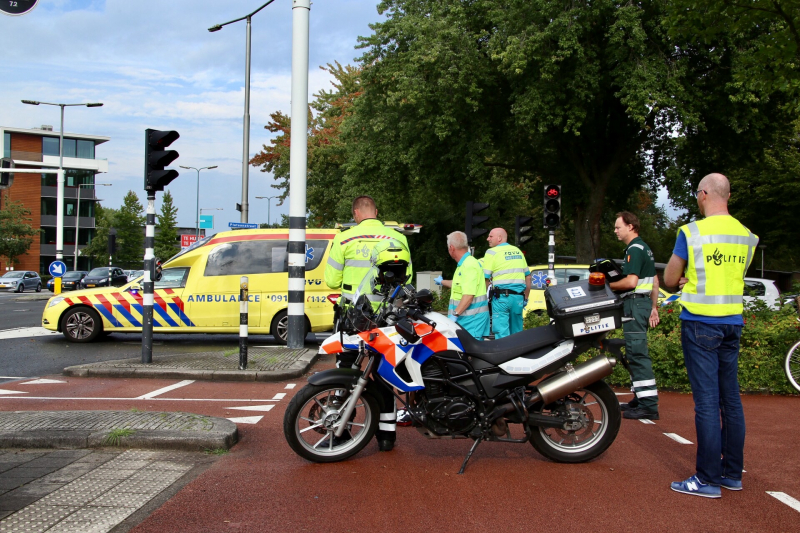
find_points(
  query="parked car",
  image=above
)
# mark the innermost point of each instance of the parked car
(762, 289)
(98, 277)
(21, 280)
(69, 282)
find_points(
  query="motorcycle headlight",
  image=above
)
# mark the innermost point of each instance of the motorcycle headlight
(55, 301)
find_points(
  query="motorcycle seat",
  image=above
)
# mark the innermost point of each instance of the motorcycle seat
(505, 349)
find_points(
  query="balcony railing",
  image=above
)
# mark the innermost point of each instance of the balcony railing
(37, 157)
(69, 222)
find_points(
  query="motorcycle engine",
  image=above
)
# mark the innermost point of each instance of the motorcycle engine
(456, 414)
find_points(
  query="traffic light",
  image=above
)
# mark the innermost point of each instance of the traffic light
(552, 207)
(5, 177)
(156, 157)
(521, 228)
(472, 221)
(112, 241)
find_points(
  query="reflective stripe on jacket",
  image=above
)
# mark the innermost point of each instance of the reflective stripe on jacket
(505, 265)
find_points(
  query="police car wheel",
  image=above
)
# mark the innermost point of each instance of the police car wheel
(81, 324)
(280, 327)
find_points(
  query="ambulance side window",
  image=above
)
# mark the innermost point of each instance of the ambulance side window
(314, 253)
(172, 278)
(258, 257)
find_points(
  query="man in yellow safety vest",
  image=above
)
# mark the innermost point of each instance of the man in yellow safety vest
(709, 262)
(504, 266)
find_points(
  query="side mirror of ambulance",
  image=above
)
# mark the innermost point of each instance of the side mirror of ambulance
(135, 287)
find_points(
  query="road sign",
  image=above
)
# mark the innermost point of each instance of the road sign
(206, 221)
(17, 7)
(188, 240)
(242, 225)
(57, 269)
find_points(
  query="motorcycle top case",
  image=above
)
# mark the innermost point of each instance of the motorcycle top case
(580, 309)
(609, 267)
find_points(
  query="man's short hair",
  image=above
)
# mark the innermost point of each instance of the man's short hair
(458, 240)
(629, 219)
(364, 203)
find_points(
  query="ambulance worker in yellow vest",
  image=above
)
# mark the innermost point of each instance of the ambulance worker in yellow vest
(348, 263)
(469, 306)
(505, 268)
(709, 262)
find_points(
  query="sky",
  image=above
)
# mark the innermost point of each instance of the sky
(154, 64)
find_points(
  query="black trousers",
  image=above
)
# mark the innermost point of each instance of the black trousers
(387, 424)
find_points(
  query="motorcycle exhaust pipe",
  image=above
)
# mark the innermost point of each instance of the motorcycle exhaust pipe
(575, 378)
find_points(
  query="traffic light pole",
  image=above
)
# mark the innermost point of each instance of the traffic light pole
(149, 275)
(551, 258)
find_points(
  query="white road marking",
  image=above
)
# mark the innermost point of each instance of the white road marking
(291, 385)
(279, 396)
(253, 407)
(785, 498)
(20, 333)
(42, 382)
(678, 438)
(4, 392)
(161, 391)
(246, 419)
(645, 421)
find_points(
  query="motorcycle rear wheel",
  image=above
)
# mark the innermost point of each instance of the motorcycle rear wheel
(311, 415)
(598, 409)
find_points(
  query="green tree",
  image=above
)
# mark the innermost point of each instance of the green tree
(16, 232)
(166, 239)
(130, 222)
(97, 249)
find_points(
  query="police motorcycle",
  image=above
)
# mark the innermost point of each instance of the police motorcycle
(457, 387)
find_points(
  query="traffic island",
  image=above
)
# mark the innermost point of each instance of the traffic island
(124, 429)
(265, 363)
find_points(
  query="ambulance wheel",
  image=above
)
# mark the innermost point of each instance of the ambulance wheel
(81, 324)
(280, 327)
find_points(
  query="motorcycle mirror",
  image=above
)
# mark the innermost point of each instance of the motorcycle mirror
(406, 330)
(424, 296)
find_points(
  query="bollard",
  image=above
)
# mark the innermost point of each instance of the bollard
(243, 323)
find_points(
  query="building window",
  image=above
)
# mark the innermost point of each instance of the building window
(49, 207)
(70, 147)
(85, 149)
(49, 145)
(6, 144)
(72, 178)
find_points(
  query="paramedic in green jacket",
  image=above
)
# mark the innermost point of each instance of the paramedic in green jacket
(504, 266)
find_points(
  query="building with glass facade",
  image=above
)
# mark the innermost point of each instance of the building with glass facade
(39, 148)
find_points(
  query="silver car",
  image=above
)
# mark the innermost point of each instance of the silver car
(20, 281)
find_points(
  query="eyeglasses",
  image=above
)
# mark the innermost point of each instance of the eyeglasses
(697, 193)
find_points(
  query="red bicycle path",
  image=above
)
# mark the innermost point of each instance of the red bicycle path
(262, 485)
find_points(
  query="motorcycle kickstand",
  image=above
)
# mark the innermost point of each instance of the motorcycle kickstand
(471, 451)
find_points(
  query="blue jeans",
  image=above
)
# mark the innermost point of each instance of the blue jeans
(711, 355)
(507, 315)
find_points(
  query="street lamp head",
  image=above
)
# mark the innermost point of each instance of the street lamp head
(209, 168)
(187, 168)
(95, 104)
(215, 28)
(30, 102)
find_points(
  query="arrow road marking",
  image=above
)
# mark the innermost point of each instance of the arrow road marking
(42, 382)
(253, 407)
(785, 498)
(246, 419)
(159, 392)
(678, 438)
(4, 391)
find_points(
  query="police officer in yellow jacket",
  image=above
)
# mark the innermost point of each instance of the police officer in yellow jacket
(348, 263)
(709, 262)
(504, 266)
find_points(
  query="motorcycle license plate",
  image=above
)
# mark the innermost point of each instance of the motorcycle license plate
(591, 319)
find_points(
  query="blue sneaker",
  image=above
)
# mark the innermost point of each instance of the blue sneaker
(695, 487)
(731, 484)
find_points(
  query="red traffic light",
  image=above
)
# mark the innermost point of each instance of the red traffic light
(551, 191)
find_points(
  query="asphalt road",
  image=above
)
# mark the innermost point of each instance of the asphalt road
(261, 485)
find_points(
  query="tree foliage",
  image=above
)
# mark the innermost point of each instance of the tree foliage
(166, 238)
(129, 223)
(16, 232)
(97, 249)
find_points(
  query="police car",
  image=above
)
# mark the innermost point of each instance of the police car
(199, 290)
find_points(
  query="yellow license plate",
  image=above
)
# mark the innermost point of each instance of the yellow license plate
(90, 285)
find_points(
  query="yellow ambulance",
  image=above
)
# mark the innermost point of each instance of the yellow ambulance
(199, 290)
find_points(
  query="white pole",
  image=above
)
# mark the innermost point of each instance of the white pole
(77, 226)
(60, 194)
(298, 163)
(246, 143)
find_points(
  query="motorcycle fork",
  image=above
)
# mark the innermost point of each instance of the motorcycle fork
(355, 395)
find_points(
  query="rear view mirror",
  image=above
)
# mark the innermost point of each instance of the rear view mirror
(406, 330)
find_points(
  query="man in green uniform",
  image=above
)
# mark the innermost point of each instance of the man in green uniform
(639, 290)
(348, 263)
(504, 266)
(469, 306)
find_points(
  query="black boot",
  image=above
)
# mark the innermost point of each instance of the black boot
(633, 404)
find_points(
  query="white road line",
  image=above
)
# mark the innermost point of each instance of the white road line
(42, 382)
(291, 385)
(645, 421)
(228, 400)
(159, 392)
(5, 391)
(20, 333)
(279, 396)
(246, 419)
(678, 438)
(785, 498)
(253, 408)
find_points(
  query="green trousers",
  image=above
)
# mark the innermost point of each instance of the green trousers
(642, 377)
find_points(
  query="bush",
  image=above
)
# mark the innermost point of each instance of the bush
(766, 337)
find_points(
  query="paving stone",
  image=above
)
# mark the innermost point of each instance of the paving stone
(48, 461)
(10, 483)
(69, 473)
(24, 471)
(36, 488)
(99, 519)
(35, 517)
(117, 498)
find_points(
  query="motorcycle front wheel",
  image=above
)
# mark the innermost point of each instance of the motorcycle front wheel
(595, 411)
(310, 420)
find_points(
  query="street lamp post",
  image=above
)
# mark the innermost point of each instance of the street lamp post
(78, 217)
(246, 147)
(60, 183)
(197, 213)
(762, 246)
(269, 201)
